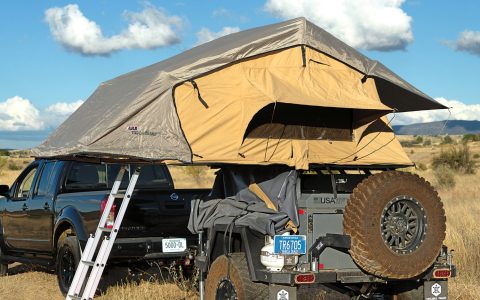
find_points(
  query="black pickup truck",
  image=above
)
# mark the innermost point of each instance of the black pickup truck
(53, 206)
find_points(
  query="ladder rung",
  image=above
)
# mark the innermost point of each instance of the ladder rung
(85, 281)
(105, 229)
(88, 263)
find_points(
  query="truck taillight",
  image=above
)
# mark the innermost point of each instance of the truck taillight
(111, 216)
(441, 273)
(305, 278)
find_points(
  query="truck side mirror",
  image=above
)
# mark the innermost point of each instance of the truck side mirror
(4, 189)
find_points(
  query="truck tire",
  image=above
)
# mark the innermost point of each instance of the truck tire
(68, 256)
(3, 266)
(412, 294)
(236, 284)
(396, 222)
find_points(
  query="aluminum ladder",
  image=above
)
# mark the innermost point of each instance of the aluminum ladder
(81, 287)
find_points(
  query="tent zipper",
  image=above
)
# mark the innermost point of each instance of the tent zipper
(195, 87)
(304, 58)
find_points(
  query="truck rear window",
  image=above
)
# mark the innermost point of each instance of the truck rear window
(88, 177)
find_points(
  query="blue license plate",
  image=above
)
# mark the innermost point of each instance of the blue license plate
(290, 244)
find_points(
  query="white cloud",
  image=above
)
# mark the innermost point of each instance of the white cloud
(220, 12)
(368, 24)
(19, 114)
(468, 41)
(148, 29)
(64, 108)
(459, 111)
(59, 112)
(205, 35)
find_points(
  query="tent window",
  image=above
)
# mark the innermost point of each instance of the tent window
(302, 122)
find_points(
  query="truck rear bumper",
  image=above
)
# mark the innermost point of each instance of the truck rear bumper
(144, 248)
(325, 276)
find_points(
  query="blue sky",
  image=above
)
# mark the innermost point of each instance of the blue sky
(47, 75)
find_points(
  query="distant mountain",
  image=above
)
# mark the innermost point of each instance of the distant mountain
(434, 128)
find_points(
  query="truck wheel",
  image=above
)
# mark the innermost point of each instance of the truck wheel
(412, 294)
(236, 284)
(68, 256)
(396, 222)
(3, 266)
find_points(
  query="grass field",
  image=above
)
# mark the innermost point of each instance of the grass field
(462, 207)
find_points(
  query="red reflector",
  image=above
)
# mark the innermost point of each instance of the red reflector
(111, 215)
(305, 278)
(301, 211)
(441, 273)
(321, 266)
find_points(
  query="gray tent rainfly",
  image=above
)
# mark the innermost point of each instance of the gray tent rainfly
(141, 115)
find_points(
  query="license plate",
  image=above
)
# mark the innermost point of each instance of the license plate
(290, 244)
(174, 245)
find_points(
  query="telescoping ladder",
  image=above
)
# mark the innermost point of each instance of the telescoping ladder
(81, 287)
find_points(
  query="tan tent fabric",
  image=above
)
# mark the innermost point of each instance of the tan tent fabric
(219, 107)
(155, 113)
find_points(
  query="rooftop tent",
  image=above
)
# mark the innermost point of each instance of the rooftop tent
(287, 93)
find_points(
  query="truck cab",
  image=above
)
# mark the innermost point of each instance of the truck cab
(53, 206)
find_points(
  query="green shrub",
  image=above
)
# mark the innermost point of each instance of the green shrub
(13, 166)
(457, 158)
(3, 163)
(406, 143)
(447, 140)
(427, 143)
(422, 166)
(195, 172)
(444, 176)
(418, 140)
(4, 152)
(471, 138)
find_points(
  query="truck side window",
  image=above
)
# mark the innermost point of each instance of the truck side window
(151, 176)
(86, 177)
(44, 182)
(25, 184)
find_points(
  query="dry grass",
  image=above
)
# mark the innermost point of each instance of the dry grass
(9, 174)
(463, 235)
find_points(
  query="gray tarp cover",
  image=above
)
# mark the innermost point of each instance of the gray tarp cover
(244, 208)
(105, 125)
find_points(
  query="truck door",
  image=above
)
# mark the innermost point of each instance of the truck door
(40, 208)
(16, 210)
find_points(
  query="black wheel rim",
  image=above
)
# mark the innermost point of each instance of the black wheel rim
(403, 224)
(226, 290)
(67, 268)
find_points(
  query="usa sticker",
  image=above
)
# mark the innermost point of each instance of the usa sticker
(282, 295)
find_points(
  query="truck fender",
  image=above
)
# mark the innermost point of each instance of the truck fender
(69, 217)
(251, 242)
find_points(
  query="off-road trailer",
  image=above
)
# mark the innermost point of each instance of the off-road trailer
(371, 233)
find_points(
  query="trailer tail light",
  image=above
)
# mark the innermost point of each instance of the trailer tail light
(301, 211)
(442, 273)
(111, 216)
(305, 278)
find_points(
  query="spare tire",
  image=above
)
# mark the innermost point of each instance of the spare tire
(396, 222)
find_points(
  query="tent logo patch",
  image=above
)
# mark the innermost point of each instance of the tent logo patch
(135, 129)
(132, 128)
